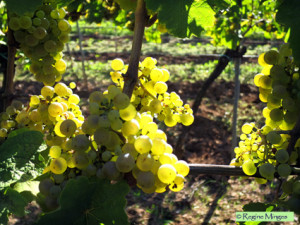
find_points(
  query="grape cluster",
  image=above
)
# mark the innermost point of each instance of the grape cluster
(129, 141)
(150, 94)
(264, 150)
(119, 138)
(55, 113)
(41, 36)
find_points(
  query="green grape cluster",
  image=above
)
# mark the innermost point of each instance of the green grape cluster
(118, 138)
(264, 150)
(150, 94)
(42, 35)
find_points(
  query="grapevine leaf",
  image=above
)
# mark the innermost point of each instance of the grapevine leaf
(89, 202)
(288, 14)
(62, 3)
(11, 202)
(21, 7)
(19, 158)
(217, 5)
(18, 131)
(183, 18)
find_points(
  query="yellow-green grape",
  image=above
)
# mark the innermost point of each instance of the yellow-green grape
(74, 98)
(125, 163)
(121, 101)
(101, 136)
(116, 77)
(80, 160)
(256, 79)
(68, 127)
(276, 115)
(96, 96)
(156, 106)
(170, 120)
(145, 119)
(45, 186)
(169, 148)
(35, 116)
(249, 167)
(61, 66)
(160, 87)
(72, 85)
(273, 137)
(47, 92)
(58, 165)
(156, 74)
(155, 167)
(129, 148)
(34, 100)
(165, 158)
(113, 141)
(55, 109)
(158, 146)
(282, 156)
(177, 184)
(271, 57)
(61, 89)
(166, 75)
(110, 170)
(14, 23)
(63, 25)
(117, 64)
(149, 62)
(3, 132)
(182, 167)
(145, 179)
(55, 151)
(106, 156)
(128, 113)
(143, 144)
(267, 171)
(265, 82)
(150, 128)
(144, 162)
(284, 170)
(166, 173)
(247, 128)
(130, 127)
(80, 143)
(116, 125)
(186, 119)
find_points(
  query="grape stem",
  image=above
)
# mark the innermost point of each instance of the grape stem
(131, 76)
(145, 90)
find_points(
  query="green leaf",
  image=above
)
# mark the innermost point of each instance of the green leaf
(288, 14)
(18, 131)
(19, 158)
(183, 18)
(90, 202)
(22, 6)
(62, 3)
(218, 5)
(11, 202)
